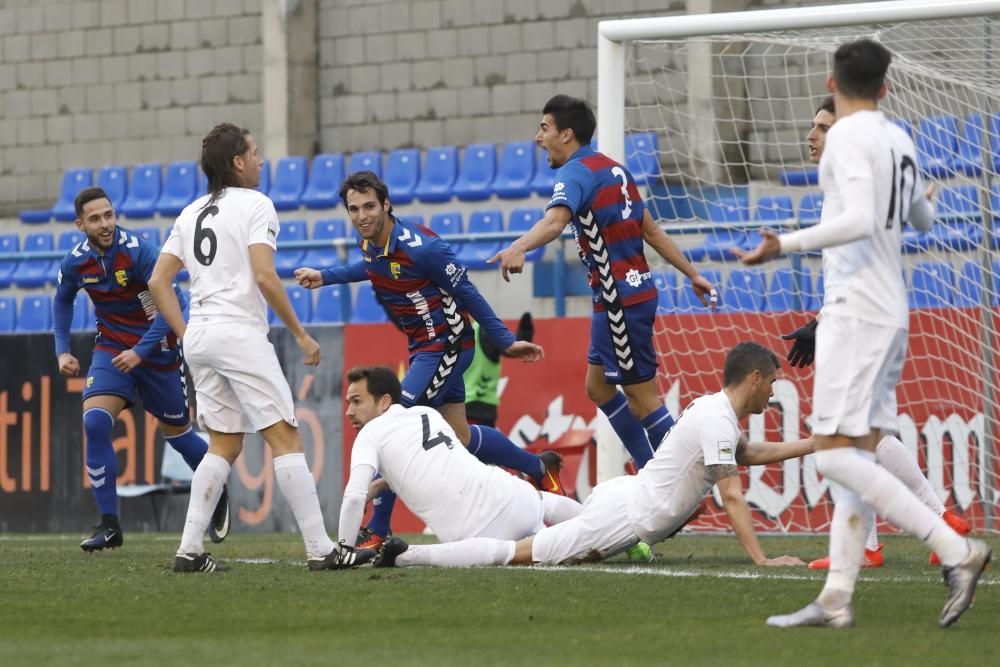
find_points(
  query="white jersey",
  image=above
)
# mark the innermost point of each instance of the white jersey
(424, 462)
(864, 278)
(697, 452)
(214, 244)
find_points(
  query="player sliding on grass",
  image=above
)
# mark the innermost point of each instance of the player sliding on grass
(704, 446)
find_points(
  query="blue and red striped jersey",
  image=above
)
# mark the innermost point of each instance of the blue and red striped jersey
(607, 213)
(424, 288)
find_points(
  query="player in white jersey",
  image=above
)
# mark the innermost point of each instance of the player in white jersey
(871, 186)
(704, 446)
(420, 458)
(226, 239)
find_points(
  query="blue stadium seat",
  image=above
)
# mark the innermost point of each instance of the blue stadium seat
(327, 229)
(932, 285)
(35, 216)
(289, 182)
(73, 181)
(995, 142)
(301, 300)
(179, 188)
(143, 192)
(34, 272)
(83, 318)
(774, 209)
(517, 168)
(744, 292)
(449, 222)
(36, 313)
(114, 181)
(438, 177)
(150, 234)
(265, 178)
(957, 226)
(642, 156)
(286, 261)
(545, 176)
(937, 145)
(810, 208)
(718, 246)
(729, 209)
(969, 159)
(8, 314)
(8, 243)
(478, 169)
(366, 308)
(970, 285)
(325, 178)
(521, 220)
(789, 290)
(365, 161)
(353, 249)
(402, 173)
(67, 240)
(666, 291)
(474, 254)
(688, 302)
(332, 304)
(799, 177)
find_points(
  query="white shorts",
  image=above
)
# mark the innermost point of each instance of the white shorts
(521, 516)
(239, 384)
(600, 531)
(858, 365)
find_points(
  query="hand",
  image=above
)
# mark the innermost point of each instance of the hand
(376, 488)
(768, 249)
(126, 361)
(930, 191)
(310, 349)
(783, 561)
(804, 348)
(702, 289)
(527, 352)
(511, 261)
(68, 365)
(310, 278)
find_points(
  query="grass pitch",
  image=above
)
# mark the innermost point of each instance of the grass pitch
(699, 603)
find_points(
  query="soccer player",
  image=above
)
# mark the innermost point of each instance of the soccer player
(890, 451)
(226, 239)
(704, 446)
(134, 352)
(429, 296)
(420, 457)
(599, 198)
(871, 186)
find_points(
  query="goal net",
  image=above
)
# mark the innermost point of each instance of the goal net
(716, 124)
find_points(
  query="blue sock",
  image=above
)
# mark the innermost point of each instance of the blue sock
(190, 446)
(657, 423)
(628, 428)
(491, 446)
(382, 506)
(102, 467)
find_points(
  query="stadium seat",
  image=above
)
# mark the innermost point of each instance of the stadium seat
(744, 292)
(937, 145)
(729, 209)
(35, 216)
(810, 208)
(73, 181)
(449, 222)
(143, 192)
(521, 220)
(327, 229)
(932, 285)
(265, 178)
(301, 300)
(114, 181)
(332, 304)
(438, 176)
(957, 225)
(8, 314)
(286, 261)
(365, 161)
(517, 168)
(67, 240)
(642, 156)
(995, 142)
(353, 249)
(34, 272)
(83, 318)
(289, 182)
(175, 479)
(180, 188)
(325, 179)
(149, 234)
(666, 291)
(799, 177)
(366, 309)
(789, 290)
(474, 254)
(718, 246)
(36, 313)
(774, 209)
(402, 173)
(969, 158)
(478, 169)
(688, 302)
(545, 176)
(970, 286)
(9, 243)
(413, 219)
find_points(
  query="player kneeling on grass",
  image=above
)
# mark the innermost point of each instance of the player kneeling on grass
(420, 458)
(703, 447)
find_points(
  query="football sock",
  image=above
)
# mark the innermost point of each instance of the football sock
(848, 529)
(897, 459)
(628, 428)
(299, 488)
(493, 447)
(892, 500)
(464, 553)
(557, 509)
(657, 423)
(382, 505)
(206, 488)
(189, 445)
(102, 467)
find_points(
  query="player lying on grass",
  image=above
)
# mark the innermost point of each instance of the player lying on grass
(704, 446)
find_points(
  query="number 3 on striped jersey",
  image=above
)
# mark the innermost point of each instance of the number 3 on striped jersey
(620, 173)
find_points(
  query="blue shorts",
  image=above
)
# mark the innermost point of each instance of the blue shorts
(623, 344)
(163, 393)
(433, 381)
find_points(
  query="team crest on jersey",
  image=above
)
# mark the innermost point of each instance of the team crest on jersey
(90, 381)
(121, 275)
(394, 269)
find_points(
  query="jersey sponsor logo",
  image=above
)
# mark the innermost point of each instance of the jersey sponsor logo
(88, 280)
(558, 187)
(394, 269)
(179, 415)
(424, 311)
(450, 269)
(148, 305)
(726, 450)
(634, 277)
(455, 273)
(408, 395)
(121, 275)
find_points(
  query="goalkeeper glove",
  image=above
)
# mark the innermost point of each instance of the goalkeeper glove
(804, 348)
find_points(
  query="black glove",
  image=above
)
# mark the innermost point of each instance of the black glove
(525, 328)
(804, 348)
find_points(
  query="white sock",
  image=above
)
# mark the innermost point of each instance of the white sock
(892, 500)
(848, 528)
(559, 508)
(299, 488)
(206, 489)
(472, 552)
(893, 455)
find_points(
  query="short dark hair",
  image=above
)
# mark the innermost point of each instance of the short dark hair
(827, 105)
(218, 149)
(363, 181)
(86, 196)
(571, 113)
(859, 68)
(381, 380)
(746, 358)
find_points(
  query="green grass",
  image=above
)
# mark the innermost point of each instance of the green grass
(699, 603)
